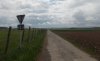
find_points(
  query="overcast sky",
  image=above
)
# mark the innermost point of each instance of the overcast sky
(51, 13)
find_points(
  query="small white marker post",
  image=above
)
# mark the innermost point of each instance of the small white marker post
(20, 28)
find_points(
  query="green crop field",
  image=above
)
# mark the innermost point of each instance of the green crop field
(31, 46)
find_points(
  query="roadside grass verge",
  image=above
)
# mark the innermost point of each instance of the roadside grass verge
(29, 50)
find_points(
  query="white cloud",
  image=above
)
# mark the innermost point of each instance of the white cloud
(60, 13)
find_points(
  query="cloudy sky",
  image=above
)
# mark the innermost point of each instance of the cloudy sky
(51, 13)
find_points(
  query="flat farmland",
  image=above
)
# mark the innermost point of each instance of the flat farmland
(87, 40)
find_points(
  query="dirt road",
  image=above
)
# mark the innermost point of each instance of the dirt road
(61, 50)
(57, 49)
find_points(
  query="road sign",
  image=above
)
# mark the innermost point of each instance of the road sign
(20, 18)
(20, 27)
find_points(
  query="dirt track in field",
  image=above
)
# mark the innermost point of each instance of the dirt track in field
(58, 49)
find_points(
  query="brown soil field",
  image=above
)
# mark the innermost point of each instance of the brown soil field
(88, 41)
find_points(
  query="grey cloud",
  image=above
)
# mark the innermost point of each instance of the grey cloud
(79, 3)
(3, 6)
(43, 8)
(80, 18)
(5, 21)
(27, 6)
(47, 7)
(35, 19)
(38, 11)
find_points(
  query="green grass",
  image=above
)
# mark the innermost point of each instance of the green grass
(29, 50)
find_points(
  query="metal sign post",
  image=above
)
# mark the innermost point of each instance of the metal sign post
(20, 27)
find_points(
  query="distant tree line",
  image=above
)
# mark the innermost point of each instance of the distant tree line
(3, 27)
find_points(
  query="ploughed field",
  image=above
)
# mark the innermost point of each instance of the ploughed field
(87, 40)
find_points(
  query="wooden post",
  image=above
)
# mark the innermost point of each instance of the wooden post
(32, 35)
(22, 35)
(8, 39)
(40, 33)
(20, 42)
(28, 39)
(35, 35)
(21, 32)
